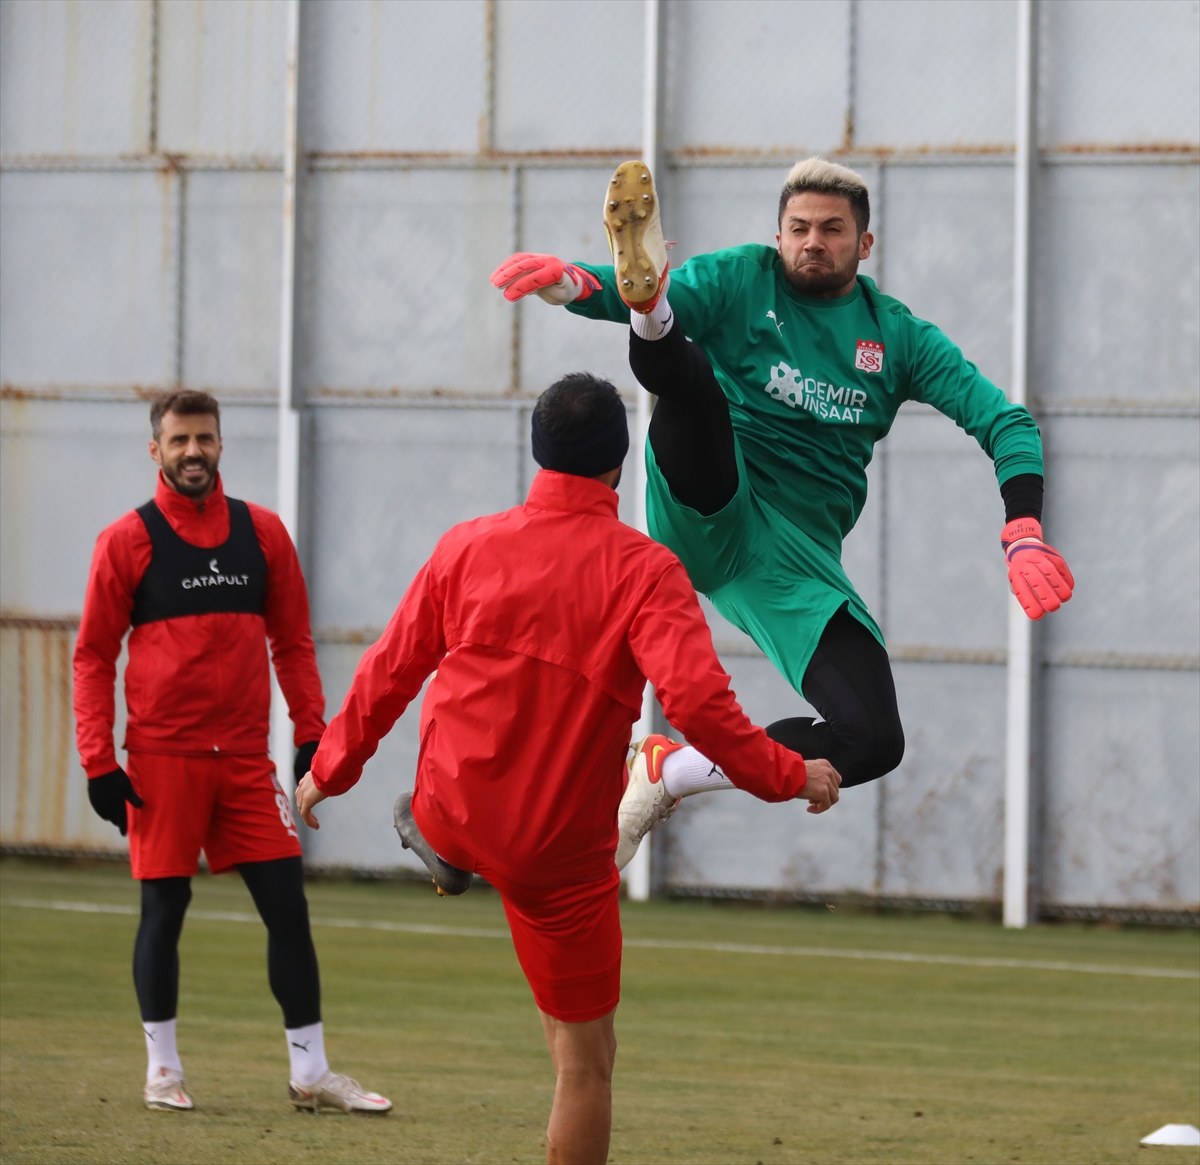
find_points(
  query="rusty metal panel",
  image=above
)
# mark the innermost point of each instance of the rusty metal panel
(382, 251)
(75, 78)
(1109, 328)
(221, 77)
(369, 67)
(88, 278)
(541, 100)
(935, 74)
(43, 790)
(231, 290)
(756, 75)
(1121, 798)
(1121, 73)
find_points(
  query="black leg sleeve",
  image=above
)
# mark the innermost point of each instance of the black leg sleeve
(690, 432)
(156, 951)
(278, 891)
(849, 681)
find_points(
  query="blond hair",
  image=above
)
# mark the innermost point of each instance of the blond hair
(822, 177)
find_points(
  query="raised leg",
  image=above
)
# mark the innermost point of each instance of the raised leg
(690, 431)
(849, 681)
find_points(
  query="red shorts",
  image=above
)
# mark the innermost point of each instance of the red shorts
(230, 806)
(568, 941)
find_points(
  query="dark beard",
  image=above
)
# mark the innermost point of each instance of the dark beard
(174, 477)
(826, 285)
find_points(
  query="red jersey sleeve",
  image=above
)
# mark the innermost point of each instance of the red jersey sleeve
(388, 678)
(289, 627)
(673, 647)
(120, 559)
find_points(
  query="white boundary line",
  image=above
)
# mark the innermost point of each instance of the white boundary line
(652, 944)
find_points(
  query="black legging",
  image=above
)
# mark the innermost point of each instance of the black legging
(278, 891)
(849, 679)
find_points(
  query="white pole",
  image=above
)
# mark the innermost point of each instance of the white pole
(1020, 630)
(638, 870)
(288, 479)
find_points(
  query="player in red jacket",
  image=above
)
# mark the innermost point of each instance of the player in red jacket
(543, 624)
(205, 581)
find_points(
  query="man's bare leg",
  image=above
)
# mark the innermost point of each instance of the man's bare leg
(581, 1119)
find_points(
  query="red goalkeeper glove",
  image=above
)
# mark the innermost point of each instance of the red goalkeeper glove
(549, 278)
(1037, 573)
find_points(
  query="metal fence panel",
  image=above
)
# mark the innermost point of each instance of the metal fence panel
(946, 580)
(729, 89)
(74, 78)
(394, 77)
(943, 819)
(140, 192)
(231, 283)
(1121, 799)
(220, 77)
(946, 251)
(962, 93)
(541, 102)
(1109, 327)
(1132, 485)
(372, 464)
(396, 291)
(1120, 73)
(88, 278)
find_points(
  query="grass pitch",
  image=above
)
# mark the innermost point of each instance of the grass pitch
(725, 1056)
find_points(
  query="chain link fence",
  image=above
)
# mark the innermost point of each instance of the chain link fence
(141, 185)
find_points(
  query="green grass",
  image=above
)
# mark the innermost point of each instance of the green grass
(724, 1057)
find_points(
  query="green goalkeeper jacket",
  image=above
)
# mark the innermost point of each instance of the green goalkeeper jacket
(812, 384)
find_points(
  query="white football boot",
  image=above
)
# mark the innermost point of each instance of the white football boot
(646, 801)
(339, 1092)
(635, 238)
(168, 1091)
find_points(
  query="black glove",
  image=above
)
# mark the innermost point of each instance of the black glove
(108, 795)
(304, 757)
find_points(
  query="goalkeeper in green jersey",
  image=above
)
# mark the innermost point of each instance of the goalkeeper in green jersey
(776, 372)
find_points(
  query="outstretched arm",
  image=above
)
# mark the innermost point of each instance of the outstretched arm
(701, 291)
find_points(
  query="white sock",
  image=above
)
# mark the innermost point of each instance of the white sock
(306, 1051)
(160, 1048)
(653, 325)
(688, 771)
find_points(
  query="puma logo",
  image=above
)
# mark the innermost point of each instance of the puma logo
(775, 320)
(303, 1047)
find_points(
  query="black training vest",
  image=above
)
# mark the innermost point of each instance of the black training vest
(183, 579)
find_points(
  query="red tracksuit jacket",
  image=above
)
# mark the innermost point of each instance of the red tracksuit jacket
(543, 624)
(198, 684)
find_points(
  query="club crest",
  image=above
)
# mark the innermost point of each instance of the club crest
(868, 356)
